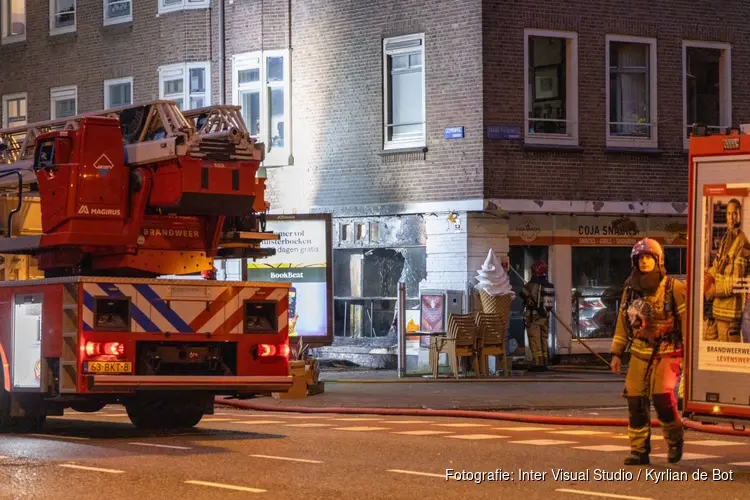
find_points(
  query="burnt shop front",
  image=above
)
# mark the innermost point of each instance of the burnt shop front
(588, 258)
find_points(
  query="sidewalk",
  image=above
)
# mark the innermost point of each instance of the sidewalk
(522, 391)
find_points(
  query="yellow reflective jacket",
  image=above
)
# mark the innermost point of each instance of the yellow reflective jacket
(662, 320)
(728, 267)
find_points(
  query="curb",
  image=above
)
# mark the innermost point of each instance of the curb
(485, 415)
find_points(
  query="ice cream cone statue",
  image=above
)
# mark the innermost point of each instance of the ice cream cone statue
(494, 288)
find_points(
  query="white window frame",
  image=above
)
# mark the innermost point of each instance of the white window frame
(275, 156)
(418, 143)
(183, 5)
(12, 97)
(4, 19)
(635, 142)
(116, 81)
(165, 75)
(118, 20)
(571, 84)
(60, 94)
(53, 15)
(725, 85)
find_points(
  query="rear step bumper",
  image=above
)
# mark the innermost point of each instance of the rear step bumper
(205, 383)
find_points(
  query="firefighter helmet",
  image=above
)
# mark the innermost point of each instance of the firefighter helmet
(539, 268)
(647, 246)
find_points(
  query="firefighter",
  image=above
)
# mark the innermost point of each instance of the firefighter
(727, 268)
(652, 319)
(538, 296)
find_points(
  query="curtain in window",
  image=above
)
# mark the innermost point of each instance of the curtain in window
(629, 91)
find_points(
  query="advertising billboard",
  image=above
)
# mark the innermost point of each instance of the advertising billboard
(304, 258)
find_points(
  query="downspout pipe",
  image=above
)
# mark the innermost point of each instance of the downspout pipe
(222, 68)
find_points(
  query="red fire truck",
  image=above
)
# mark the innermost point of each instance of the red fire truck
(101, 206)
(717, 363)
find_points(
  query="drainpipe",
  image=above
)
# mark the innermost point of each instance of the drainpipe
(222, 69)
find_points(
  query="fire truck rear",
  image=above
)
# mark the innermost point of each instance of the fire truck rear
(717, 363)
(100, 207)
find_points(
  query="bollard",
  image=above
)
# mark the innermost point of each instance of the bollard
(401, 323)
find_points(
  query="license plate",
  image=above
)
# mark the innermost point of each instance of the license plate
(108, 367)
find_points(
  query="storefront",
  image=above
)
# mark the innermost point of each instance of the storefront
(588, 259)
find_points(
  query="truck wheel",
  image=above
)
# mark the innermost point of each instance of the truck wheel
(6, 422)
(186, 418)
(87, 406)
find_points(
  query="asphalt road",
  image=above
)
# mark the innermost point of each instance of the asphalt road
(236, 454)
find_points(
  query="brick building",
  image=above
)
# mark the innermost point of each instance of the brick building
(432, 131)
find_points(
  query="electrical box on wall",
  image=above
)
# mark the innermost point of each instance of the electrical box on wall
(435, 306)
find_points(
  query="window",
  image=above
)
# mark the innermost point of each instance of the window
(551, 83)
(64, 102)
(707, 86)
(631, 92)
(186, 83)
(175, 5)
(261, 87)
(117, 11)
(118, 92)
(404, 94)
(62, 16)
(13, 17)
(14, 110)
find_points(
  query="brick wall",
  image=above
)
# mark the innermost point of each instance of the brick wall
(593, 174)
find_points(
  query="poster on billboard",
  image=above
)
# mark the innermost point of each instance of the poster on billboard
(724, 318)
(304, 259)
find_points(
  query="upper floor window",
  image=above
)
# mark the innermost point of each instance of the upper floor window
(707, 81)
(174, 5)
(13, 17)
(62, 16)
(188, 84)
(261, 87)
(118, 92)
(118, 11)
(404, 92)
(63, 102)
(15, 112)
(631, 92)
(551, 87)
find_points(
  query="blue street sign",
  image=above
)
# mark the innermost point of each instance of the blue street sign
(453, 133)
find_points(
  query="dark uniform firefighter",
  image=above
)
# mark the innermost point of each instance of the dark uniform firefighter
(653, 317)
(538, 296)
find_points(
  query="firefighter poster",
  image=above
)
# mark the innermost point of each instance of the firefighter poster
(304, 259)
(724, 338)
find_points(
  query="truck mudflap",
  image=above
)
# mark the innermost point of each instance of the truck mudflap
(206, 383)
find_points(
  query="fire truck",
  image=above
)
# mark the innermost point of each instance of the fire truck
(717, 362)
(98, 208)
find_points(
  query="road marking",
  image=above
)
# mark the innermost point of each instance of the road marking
(409, 422)
(93, 469)
(218, 420)
(415, 473)
(304, 460)
(741, 464)
(303, 416)
(254, 422)
(309, 424)
(477, 436)
(360, 429)
(580, 432)
(687, 456)
(422, 433)
(162, 446)
(542, 442)
(463, 425)
(653, 437)
(714, 442)
(358, 419)
(52, 436)
(227, 486)
(523, 429)
(605, 495)
(603, 447)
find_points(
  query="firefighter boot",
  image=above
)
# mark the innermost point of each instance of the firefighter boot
(671, 425)
(639, 431)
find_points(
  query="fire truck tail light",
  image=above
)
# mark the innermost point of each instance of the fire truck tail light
(266, 350)
(114, 348)
(110, 349)
(284, 350)
(92, 348)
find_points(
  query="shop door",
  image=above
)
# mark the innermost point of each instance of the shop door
(27, 341)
